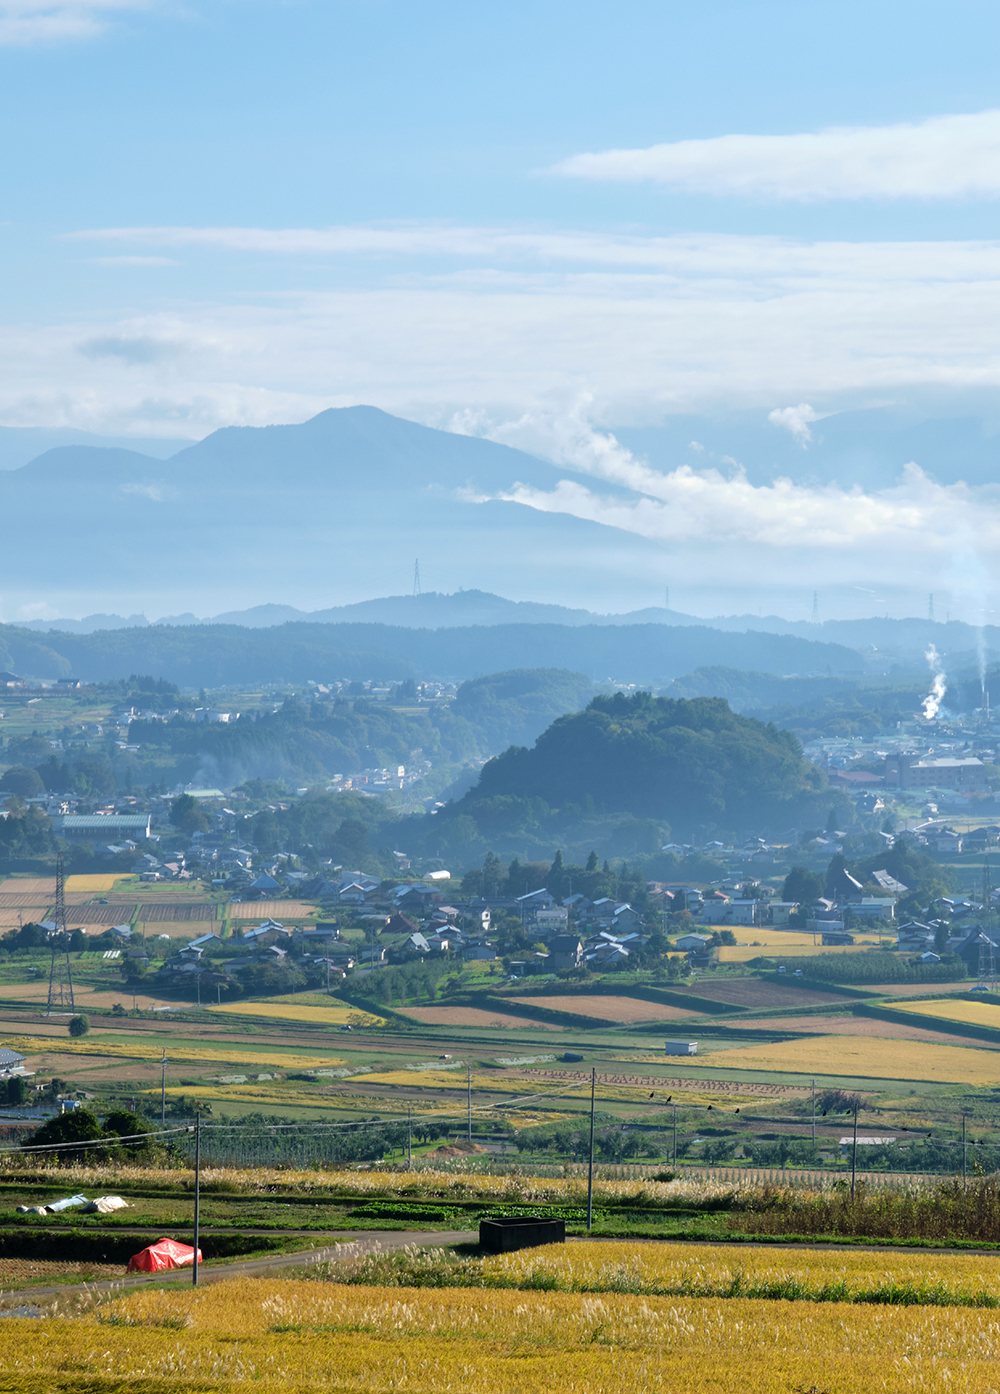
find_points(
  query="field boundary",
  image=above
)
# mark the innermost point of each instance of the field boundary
(933, 1023)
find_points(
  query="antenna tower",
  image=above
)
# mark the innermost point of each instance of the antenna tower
(930, 607)
(416, 578)
(666, 598)
(815, 618)
(60, 973)
(987, 974)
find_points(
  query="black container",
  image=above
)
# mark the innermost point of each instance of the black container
(520, 1232)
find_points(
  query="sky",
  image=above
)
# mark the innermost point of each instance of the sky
(535, 221)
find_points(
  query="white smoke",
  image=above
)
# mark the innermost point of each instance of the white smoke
(932, 702)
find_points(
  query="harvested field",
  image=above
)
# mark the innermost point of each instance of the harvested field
(856, 1026)
(40, 886)
(917, 989)
(186, 929)
(279, 910)
(622, 1009)
(83, 995)
(473, 1016)
(22, 900)
(755, 995)
(864, 1057)
(192, 910)
(100, 914)
(10, 918)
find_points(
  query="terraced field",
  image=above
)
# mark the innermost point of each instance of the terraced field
(864, 1057)
(974, 1013)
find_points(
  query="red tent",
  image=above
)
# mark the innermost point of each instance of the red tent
(165, 1253)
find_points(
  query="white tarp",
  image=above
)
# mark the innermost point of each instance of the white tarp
(104, 1205)
(70, 1203)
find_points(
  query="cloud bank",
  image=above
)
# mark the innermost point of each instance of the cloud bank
(25, 22)
(944, 157)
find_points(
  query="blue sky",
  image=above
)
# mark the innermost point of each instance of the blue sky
(531, 221)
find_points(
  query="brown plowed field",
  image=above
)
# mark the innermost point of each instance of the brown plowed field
(177, 910)
(23, 900)
(857, 1026)
(473, 1016)
(272, 910)
(100, 914)
(919, 989)
(623, 1009)
(40, 886)
(755, 995)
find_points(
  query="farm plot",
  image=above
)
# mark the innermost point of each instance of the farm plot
(100, 914)
(758, 996)
(864, 1057)
(337, 1014)
(191, 910)
(609, 1008)
(974, 1013)
(22, 900)
(856, 1026)
(743, 953)
(41, 887)
(180, 1050)
(289, 1336)
(474, 1016)
(174, 929)
(11, 916)
(92, 885)
(279, 910)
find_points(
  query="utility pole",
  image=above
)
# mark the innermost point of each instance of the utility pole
(675, 1136)
(409, 1137)
(590, 1168)
(197, 1193)
(814, 1115)
(965, 1155)
(854, 1152)
(470, 1101)
(163, 1091)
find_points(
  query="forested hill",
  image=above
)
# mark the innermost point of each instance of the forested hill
(224, 655)
(693, 765)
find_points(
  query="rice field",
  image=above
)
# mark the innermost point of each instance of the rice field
(279, 910)
(863, 1057)
(856, 1026)
(40, 886)
(743, 953)
(975, 1013)
(620, 1009)
(337, 1014)
(237, 1052)
(93, 885)
(285, 1335)
(474, 1016)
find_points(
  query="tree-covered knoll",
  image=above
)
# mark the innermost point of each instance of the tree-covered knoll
(693, 765)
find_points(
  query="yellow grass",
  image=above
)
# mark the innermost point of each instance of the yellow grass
(337, 1014)
(281, 1336)
(976, 1013)
(864, 1057)
(96, 885)
(742, 953)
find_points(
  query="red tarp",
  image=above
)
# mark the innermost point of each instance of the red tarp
(165, 1253)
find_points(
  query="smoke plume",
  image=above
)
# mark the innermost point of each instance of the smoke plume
(932, 702)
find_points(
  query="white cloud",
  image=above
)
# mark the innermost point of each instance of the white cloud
(40, 21)
(943, 157)
(795, 419)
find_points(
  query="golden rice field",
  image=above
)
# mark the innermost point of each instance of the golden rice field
(278, 910)
(95, 885)
(864, 1057)
(743, 953)
(975, 1013)
(138, 1050)
(282, 1009)
(701, 1270)
(274, 1335)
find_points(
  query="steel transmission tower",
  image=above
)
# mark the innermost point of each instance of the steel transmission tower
(416, 578)
(60, 973)
(987, 975)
